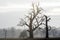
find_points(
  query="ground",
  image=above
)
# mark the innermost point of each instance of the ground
(31, 39)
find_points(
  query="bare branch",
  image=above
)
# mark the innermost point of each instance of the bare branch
(49, 28)
(22, 23)
(49, 19)
(37, 21)
(26, 24)
(28, 30)
(27, 17)
(37, 26)
(43, 24)
(38, 10)
(33, 25)
(35, 14)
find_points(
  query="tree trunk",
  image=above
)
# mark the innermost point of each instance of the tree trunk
(47, 35)
(31, 34)
(31, 31)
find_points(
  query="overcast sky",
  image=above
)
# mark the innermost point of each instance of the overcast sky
(12, 10)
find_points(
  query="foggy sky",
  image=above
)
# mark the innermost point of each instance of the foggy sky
(12, 10)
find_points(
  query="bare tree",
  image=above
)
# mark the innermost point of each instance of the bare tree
(23, 34)
(12, 32)
(5, 33)
(48, 27)
(47, 34)
(33, 20)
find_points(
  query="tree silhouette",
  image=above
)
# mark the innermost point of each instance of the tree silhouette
(13, 32)
(47, 28)
(5, 33)
(47, 34)
(33, 20)
(23, 34)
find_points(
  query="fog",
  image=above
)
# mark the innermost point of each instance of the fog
(12, 10)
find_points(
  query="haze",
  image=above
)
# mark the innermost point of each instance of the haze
(12, 10)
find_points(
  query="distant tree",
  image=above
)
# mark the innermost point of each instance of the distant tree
(33, 20)
(12, 32)
(23, 34)
(5, 33)
(53, 31)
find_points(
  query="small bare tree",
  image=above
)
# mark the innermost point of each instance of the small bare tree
(23, 34)
(5, 33)
(33, 20)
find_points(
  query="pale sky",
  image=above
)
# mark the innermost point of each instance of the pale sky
(12, 10)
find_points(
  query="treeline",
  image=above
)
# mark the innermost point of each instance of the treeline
(18, 33)
(9, 33)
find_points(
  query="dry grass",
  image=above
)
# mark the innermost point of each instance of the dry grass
(31, 39)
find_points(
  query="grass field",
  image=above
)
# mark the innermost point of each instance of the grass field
(30, 39)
